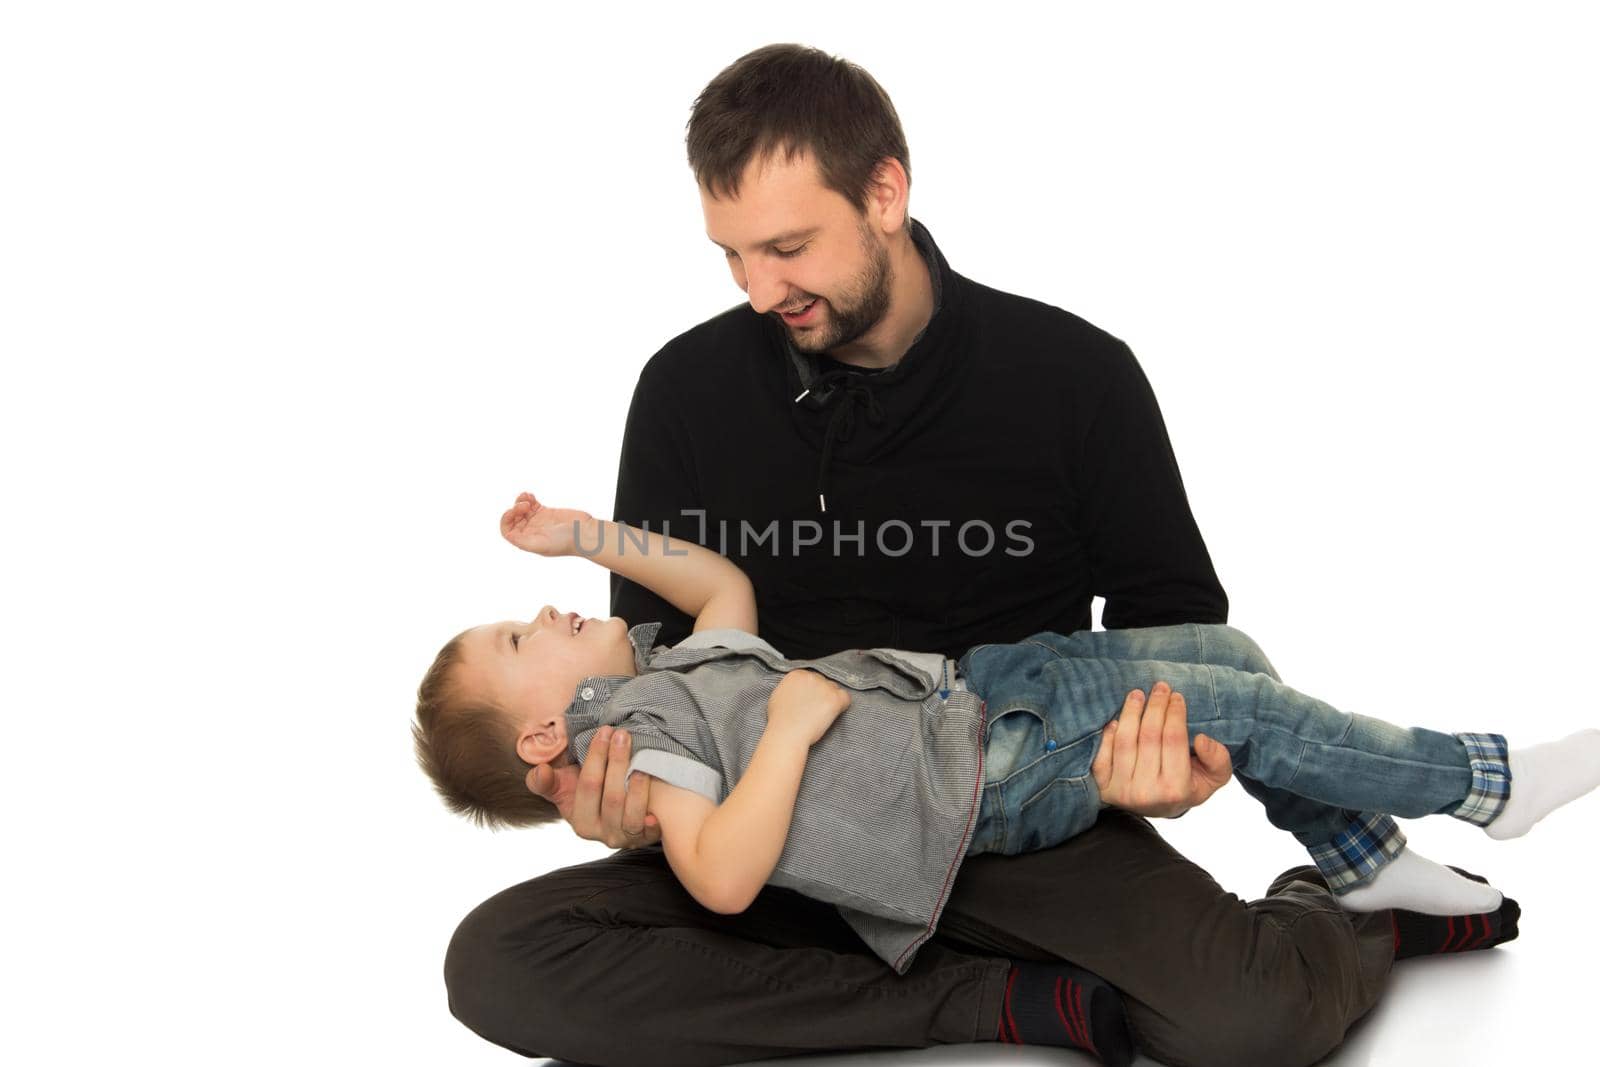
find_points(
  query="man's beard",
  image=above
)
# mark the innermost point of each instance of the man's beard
(866, 302)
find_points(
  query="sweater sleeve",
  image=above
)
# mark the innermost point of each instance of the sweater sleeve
(655, 485)
(1146, 555)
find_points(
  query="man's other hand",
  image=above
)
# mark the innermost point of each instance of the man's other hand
(1144, 764)
(592, 798)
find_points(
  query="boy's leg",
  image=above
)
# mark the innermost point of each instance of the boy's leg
(1315, 768)
(1216, 644)
(611, 962)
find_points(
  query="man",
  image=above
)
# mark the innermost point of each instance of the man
(912, 460)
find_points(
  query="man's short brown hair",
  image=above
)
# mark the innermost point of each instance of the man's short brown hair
(796, 98)
(468, 748)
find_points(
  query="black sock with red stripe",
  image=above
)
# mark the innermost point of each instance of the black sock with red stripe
(1059, 1004)
(1416, 934)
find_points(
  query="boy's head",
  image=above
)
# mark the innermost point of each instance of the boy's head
(493, 705)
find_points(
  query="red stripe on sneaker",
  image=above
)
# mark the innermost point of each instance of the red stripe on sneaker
(1077, 997)
(1482, 937)
(1469, 933)
(1005, 1015)
(1450, 934)
(1396, 924)
(1066, 1024)
(1078, 1028)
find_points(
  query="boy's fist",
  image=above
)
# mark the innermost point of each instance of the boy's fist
(544, 531)
(805, 703)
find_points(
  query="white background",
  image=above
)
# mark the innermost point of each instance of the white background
(295, 297)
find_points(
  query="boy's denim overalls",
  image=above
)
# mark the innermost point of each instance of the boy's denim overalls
(1330, 777)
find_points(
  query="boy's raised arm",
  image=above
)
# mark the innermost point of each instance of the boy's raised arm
(695, 580)
(724, 854)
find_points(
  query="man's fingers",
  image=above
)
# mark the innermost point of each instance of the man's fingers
(1177, 785)
(634, 804)
(1126, 740)
(1151, 727)
(1101, 767)
(1175, 738)
(591, 778)
(616, 782)
(1216, 763)
(542, 782)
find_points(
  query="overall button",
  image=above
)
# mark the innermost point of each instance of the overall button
(1050, 746)
(587, 693)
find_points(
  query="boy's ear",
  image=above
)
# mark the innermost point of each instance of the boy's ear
(541, 742)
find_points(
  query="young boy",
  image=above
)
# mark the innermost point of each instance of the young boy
(762, 777)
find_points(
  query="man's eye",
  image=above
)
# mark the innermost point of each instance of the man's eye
(781, 253)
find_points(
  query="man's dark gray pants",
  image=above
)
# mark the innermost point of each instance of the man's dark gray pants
(613, 963)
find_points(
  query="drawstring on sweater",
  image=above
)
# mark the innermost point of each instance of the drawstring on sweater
(842, 424)
(819, 385)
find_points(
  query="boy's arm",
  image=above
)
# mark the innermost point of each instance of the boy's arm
(695, 580)
(656, 489)
(723, 854)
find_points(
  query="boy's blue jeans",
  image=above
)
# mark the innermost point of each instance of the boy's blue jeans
(1331, 778)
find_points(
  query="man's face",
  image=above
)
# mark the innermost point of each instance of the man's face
(790, 241)
(532, 668)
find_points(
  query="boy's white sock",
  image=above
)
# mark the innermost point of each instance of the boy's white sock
(1544, 777)
(1416, 883)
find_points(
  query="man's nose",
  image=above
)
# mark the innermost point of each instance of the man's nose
(765, 291)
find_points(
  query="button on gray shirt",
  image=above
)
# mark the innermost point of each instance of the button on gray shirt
(890, 793)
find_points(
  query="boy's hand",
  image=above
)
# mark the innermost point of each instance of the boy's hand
(805, 705)
(544, 531)
(592, 800)
(1144, 764)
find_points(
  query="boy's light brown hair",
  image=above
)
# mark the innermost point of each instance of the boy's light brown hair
(467, 747)
(794, 97)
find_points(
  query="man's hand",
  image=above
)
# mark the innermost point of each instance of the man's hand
(1144, 764)
(591, 798)
(543, 531)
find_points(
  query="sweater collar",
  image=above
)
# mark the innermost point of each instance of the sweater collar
(809, 370)
(854, 412)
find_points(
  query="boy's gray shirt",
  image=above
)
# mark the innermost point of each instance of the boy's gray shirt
(890, 793)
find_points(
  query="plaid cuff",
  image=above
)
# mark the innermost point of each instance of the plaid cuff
(1491, 779)
(1356, 854)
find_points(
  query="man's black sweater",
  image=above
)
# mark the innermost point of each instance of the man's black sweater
(1011, 466)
